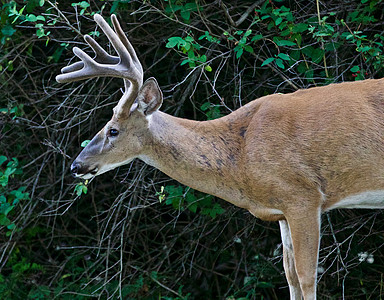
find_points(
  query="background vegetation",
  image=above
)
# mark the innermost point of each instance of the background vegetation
(134, 233)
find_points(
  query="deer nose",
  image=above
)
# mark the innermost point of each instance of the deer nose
(79, 169)
(75, 168)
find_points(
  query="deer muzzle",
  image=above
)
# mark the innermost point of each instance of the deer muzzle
(82, 170)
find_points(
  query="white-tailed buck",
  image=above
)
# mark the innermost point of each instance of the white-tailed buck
(285, 158)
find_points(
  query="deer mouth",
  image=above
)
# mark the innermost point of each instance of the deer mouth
(89, 174)
(94, 171)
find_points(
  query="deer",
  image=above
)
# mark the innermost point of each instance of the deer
(283, 157)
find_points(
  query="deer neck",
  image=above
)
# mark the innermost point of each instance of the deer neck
(203, 155)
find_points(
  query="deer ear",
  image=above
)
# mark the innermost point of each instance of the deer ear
(150, 97)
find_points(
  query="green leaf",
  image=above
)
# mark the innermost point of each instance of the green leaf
(92, 33)
(3, 159)
(355, 69)
(185, 61)
(8, 30)
(4, 180)
(196, 46)
(192, 6)
(208, 68)
(114, 7)
(366, 49)
(205, 106)
(284, 56)
(84, 189)
(193, 207)
(31, 18)
(205, 35)
(307, 50)
(4, 221)
(8, 210)
(332, 46)
(264, 285)
(213, 211)
(267, 61)
(171, 43)
(13, 163)
(78, 190)
(300, 27)
(257, 37)
(316, 54)
(278, 21)
(185, 14)
(173, 8)
(186, 10)
(280, 63)
(186, 47)
(191, 55)
(298, 38)
(248, 32)
(57, 54)
(11, 226)
(81, 188)
(188, 39)
(175, 41)
(177, 203)
(294, 55)
(284, 43)
(192, 201)
(82, 4)
(85, 143)
(239, 52)
(174, 191)
(40, 33)
(248, 49)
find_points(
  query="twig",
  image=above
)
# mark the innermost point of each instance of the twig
(65, 18)
(322, 42)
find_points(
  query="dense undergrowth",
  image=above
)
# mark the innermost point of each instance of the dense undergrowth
(134, 233)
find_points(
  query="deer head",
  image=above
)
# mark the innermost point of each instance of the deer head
(123, 138)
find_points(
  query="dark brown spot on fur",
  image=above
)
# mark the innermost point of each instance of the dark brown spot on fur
(205, 160)
(219, 162)
(174, 152)
(232, 158)
(223, 140)
(243, 130)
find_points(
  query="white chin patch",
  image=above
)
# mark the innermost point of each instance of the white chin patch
(87, 176)
(102, 170)
(110, 167)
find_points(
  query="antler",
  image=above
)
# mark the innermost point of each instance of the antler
(126, 65)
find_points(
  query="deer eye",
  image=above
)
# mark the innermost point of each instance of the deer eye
(113, 132)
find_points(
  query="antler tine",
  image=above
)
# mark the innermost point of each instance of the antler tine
(126, 65)
(101, 56)
(113, 38)
(123, 38)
